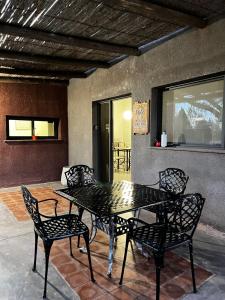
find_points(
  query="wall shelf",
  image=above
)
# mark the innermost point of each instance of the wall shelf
(33, 141)
(190, 149)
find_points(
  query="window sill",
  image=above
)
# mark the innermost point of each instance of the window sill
(33, 141)
(189, 149)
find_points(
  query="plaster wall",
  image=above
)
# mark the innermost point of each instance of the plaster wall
(23, 162)
(192, 54)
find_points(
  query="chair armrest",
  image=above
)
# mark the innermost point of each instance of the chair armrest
(133, 220)
(49, 199)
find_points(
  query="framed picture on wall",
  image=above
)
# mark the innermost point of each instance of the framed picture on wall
(140, 117)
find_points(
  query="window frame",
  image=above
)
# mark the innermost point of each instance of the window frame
(32, 119)
(157, 109)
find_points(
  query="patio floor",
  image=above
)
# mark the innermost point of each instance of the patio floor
(17, 281)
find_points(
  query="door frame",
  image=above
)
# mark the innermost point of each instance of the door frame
(96, 155)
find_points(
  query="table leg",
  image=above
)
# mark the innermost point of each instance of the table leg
(111, 246)
(92, 234)
(129, 159)
(93, 229)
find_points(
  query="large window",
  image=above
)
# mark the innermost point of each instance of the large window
(194, 114)
(18, 128)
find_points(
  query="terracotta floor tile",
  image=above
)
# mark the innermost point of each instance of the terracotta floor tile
(175, 291)
(184, 280)
(140, 287)
(22, 217)
(78, 279)
(60, 259)
(124, 293)
(181, 263)
(104, 282)
(201, 275)
(56, 250)
(139, 277)
(71, 267)
(107, 296)
(90, 290)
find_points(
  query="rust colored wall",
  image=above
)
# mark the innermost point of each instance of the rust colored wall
(33, 161)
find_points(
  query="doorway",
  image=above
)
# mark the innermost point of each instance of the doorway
(112, 119)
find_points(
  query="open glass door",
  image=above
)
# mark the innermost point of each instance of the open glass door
(112, 139)
(122, 115)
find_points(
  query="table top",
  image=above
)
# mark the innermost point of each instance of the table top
(113, 199)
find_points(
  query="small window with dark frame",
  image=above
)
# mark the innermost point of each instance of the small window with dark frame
(193, 114)
(23, 128)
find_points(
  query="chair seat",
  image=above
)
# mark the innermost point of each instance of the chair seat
(63, 226)
(151, 236)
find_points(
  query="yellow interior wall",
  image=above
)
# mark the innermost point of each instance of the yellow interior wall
(122, 127)
(19, 128)
(44, 128)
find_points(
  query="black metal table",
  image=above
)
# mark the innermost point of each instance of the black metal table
(108, 201)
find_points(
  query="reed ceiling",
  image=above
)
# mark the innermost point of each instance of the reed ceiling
(63, 39)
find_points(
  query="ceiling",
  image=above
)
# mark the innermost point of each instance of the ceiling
(63, 39)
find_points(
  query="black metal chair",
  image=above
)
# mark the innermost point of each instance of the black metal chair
(160, 238)
(52, 228)
(80, 175)
(173, 181)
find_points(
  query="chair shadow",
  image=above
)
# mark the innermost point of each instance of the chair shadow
(54, 287)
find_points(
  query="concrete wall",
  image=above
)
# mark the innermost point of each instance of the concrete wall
(193, 54)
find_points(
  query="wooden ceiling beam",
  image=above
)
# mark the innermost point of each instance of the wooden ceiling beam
(156, 11)
(20, 79)
(71, 41)
(46, 74)
(10, 56)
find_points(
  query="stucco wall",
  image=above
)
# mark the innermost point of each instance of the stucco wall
(32, 161)
(193, 54)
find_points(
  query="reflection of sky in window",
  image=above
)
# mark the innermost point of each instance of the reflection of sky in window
(202, 113)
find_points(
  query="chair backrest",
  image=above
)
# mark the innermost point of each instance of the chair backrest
(186, 213)
(32, 207)
(80, 175)
(173, 180)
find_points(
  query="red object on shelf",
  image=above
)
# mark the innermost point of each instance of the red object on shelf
(34, 138)
(157, 144)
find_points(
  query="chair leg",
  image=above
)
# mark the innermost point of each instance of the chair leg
(192, 267)
(47, 246)
(35, 251)
(93, 230)
(71, 252)
(159, 262)
(70, 207)
(124, 259)
(158, 269)
(86, 239)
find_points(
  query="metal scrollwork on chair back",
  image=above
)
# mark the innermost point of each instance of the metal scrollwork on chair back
(173, 180)
(80, 175)
(32, 207)
(187, 212)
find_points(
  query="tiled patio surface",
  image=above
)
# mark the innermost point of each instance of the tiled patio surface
(139, 279)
